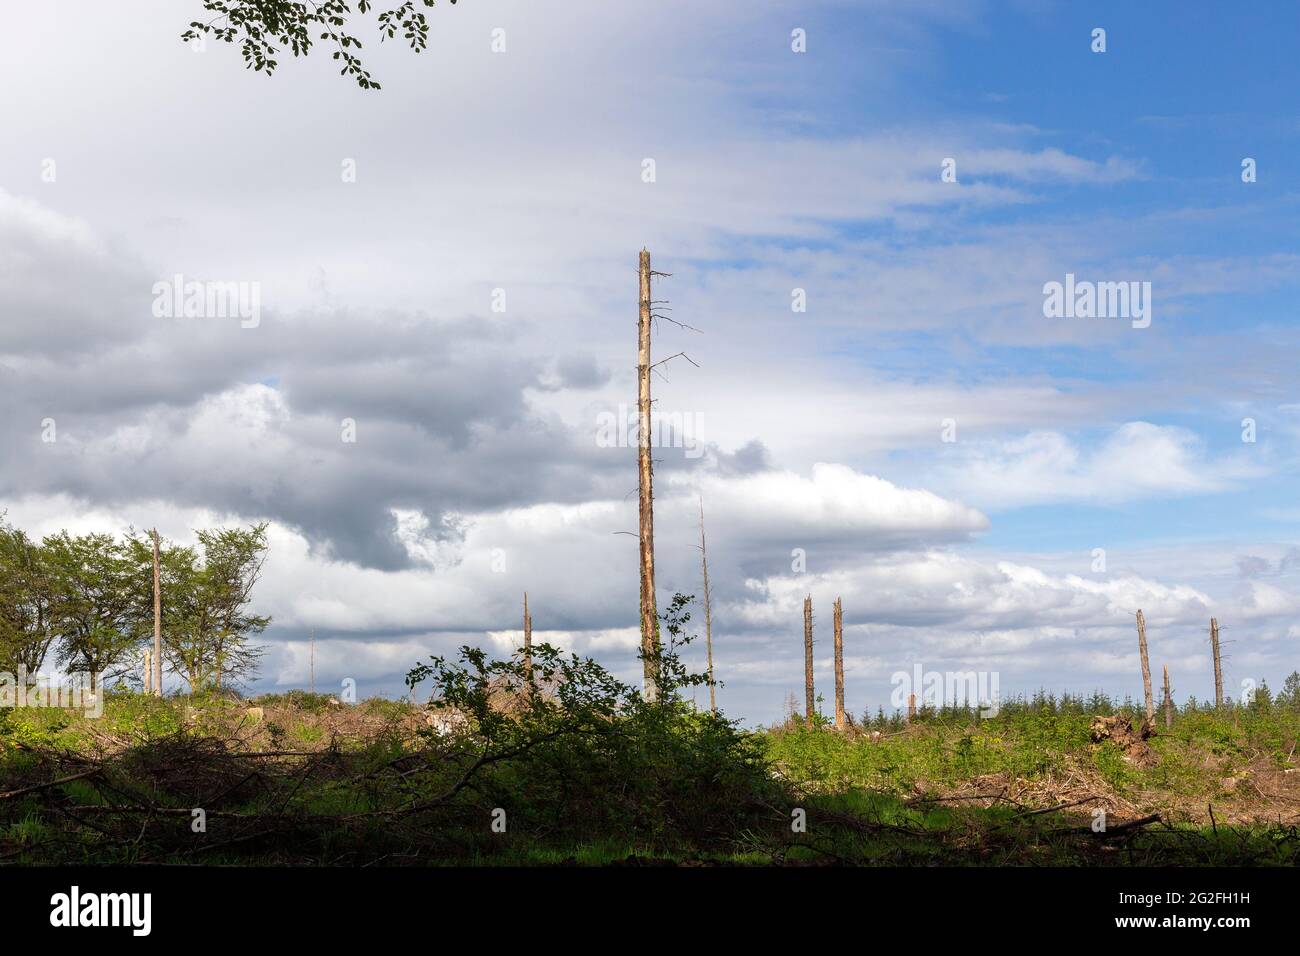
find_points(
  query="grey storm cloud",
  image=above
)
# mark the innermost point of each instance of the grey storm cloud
(200, 411)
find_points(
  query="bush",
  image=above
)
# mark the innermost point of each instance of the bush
(568, 749)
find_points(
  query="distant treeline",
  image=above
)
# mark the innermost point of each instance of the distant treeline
(1095, 704)
(85, 604)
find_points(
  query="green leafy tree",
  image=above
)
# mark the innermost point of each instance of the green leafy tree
(264, 28)
(207, 625)
(94, 603)
(26, 631)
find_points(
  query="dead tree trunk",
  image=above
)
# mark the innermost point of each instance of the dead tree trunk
(528, 645)
(810, 702)
(645, 470)
(1146, 664)
(313, 660)
(840, 721)
(708, 614)
(157, 618)
(1218, 666)
(148, 673)
(911, 708)
(1169, 704)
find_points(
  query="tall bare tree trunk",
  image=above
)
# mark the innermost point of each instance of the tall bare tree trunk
(810, 702)
(148, 673)
(1146, 664)
(1169, 711)
(1218, 666)
(528, 645)
(840, 721)
(911, 707)
(157, 618)
(645, 469)
(708, 613)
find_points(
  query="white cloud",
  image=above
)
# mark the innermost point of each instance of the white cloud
(1137, 460)
(834, 501)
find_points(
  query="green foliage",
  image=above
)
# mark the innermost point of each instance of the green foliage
(95, 602)
(259, 25)
(26, 625)
(206, 592)
(1262, 700)
(674, 676)
(1027, 743)
(300, 700)
(142, 717)
(90, 599)
(1289, 697)
(568, 747)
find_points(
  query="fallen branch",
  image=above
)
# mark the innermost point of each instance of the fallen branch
(1118, 830)
(46, 786)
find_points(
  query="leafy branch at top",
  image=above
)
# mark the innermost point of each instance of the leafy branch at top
(263, 28)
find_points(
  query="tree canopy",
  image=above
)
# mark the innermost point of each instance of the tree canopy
(89, 600)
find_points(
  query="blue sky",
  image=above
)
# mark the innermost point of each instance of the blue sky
(478, 473)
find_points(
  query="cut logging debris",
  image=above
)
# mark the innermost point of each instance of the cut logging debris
(1146, 665)
(840, 720)
(810, 702)
(1218, 666)
(708, 613)
(645, 474)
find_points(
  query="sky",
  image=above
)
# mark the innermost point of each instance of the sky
(449, 265)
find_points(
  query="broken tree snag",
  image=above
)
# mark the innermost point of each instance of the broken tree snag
(1218, 667)
(840, 721)
(1146, 664)
(157, 619)
(911, 708)
(645, 475)
(528, 644)
(1169, 705)
(708, 613)
(810, 702)
(148, 673)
